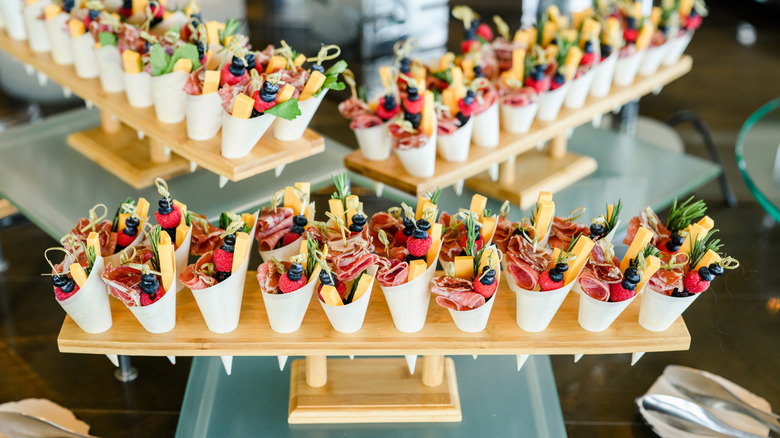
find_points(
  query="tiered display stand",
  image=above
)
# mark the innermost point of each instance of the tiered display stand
(524, 169)
(133, 145)
(369, 390)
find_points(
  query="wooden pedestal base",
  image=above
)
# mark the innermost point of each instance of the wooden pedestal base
(123, 154)
(535, 171)
(373, 391)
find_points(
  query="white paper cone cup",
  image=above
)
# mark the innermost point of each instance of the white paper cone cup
(84, 59)
(288, 130)
(89, 307)
(652, 59)
(486, 128)
(455, 147)
(37, 36)
(138, 89)
(627, 68)
(408, 302)
(170, 100)
(109, 63)
(518, 119)
(659, 311)
(420, 162)
(286, 311)
(204, 116)
(59, 39)
(535, 309)
(603, 75)
(580, 87)
(284, 253)
(11, 10)
(597, 316)
(182, 255)
(239, 136)
(160, 316)
(374, 142)
(677, 47)
(550, 102)
(115, 259)
(220, 304)
(348, 318)
(475, 320)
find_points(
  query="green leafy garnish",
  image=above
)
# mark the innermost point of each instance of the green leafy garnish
(445, 75)
(611, 221)
(433, 196)
(231, 27)
(106, 39)
(115, 223)
(337, 68)
(700, 246)
(341, 181)
(91, 256)
(312, 259)
(332, 78)
(287, 110)
(683, 215)
(162, 63)
(154, 238)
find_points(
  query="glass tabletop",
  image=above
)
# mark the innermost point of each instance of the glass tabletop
(758, 156)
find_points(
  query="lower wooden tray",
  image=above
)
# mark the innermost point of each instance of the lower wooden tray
(378, 337)
(372, 391)
(535, 171)
(127, 157)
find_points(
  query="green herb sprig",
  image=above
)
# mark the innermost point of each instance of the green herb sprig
(680, 216)
(699, 247)
(611, 222)
(154, 238)
(341, 181)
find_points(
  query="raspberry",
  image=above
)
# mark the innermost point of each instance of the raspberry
(170, 220)
(618, 293)
(694, 284)
(286, 285)
(486, 290)
(340, 287)
(124, 240)
(400, 238)
(485, 32)
(60, 295)
(545, 283)
(419, 247)
(261, 105)
(226, 77)
(290, 238)
(223, 260)
(146, 299)
(477, 244)
(465, 46)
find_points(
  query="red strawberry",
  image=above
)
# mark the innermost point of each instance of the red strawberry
(286, 285)
(124, 240)
(60, 295)
(693, 21)
(467, 109)
(290, 238)
(223, 260)
(694, 284)
(146, 299)
(485, 32)
(618, 293)
(588, 58)
(170, 220)
(545, 283)
(385, 113)
(261, 105)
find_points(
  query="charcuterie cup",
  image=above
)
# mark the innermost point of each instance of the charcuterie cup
(89, 306)
(374, 142)
(349, 317)
(518, 119)
(138, 89)
(170, 100)
(289, 130)
(37, 36)
(239, 136)
(580, 87)
(550, 102)
(486, 127)
(653, 58)
(455, 147)
(536, 309)
(84, 60)
(596, 315)
(160, 316)
(59, 39)
(204, 115)
(420, 161)
(286, 311)
(603, 75)
(11, 12)
(677, 47)
(658, 310)
(109, 63)
(627, 68)
(284, 253)
(475, 320)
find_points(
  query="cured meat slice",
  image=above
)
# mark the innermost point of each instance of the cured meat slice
(194, 276)
(194, 84)
(271, 227)
(350, 259)
(124, 284)
(593, 286)
(268, 277)
(365, 121)
(522, 249)
(504, 230)
(648, 219)
(353, 108)
(103, 228)
(563, 231)
(399, 253)
(393, 274)
(386, 222)
(523, 274)
(456, 293)
(487, 99)
(405, 140)
(205, 236)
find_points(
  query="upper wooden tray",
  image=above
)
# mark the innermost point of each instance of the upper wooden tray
(254, 336)
(268, 154)
(392, 173)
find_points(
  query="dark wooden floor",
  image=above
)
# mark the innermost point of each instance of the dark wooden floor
(734, 327)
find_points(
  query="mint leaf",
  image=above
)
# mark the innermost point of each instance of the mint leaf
(106, 39)
(337, 68)
(158, 59)
(286, 110)
(184, 51)
(231, 27)
(331, 83)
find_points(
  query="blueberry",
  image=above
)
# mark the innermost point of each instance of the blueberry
(518, 231)
(59, 280)
(716, 269)
(556, 275)
(631, 22)
(149, 284)
(389, 103)
(318, 67)
(423, 225)
(419, 234)
(487, 270)
(222, 276)
(295, 272)
(462, 118)
(297, 229)
(237, 67)
(406, 65)
(94, 14)
(165, 206)
(606, 50)
(68, 286)
(596, 229)
(627, 285)
(671, 246)
(561, 267)
(270, 88)
(477, 228)
(632, 275)
(588, 47)
(300, 220)
(355, 228)
(706, 274)
(478, 71)
(250, 60)
(326, 278)
(488, 279)
(408, 222)
(256, 113)
(359, 219)
(414, 119)
(230, 239)
(132, 222)
(408, 231)
(680, 293)
(677, 239)
(412, 94)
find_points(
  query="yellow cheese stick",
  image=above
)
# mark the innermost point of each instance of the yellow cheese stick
(181, 233)
(93, 243)
(211, 82)
(488, 227)
(165, 237)
(642, 238)
(446, 60)
(352, 203)
(464, 267)
(286, 93)
(707, 259)
(212, 62)
(275, 63)
(468, 68)
(645, 33)
(299, 60)
(636, 11)
(555, 254)
(478, 204)
(76, 27)
(572, 61)
(416, 268)
(386, 74)
(449, 100)
(121, 222)
(78, 274)
(242, 108)
(51, 11)
(212, 31)
(548, 33)
(590, 30)
(486, 255)
(653, 264)
(685, 7)
(292, 201)
(433, 253)
(655, 15)
(183, 65)
(167, 265)
(518, 64)
(544, 197)
(240, 250)
(695, 231)
(457, 83)
(331, 296)
(363, 286)
(706, 222)
(248, 219)
(419, 73)
(142, 210)
(139, 6)
(336, 207)
(611, 31)
(313, 84)
(554, 14)
(131, 61)
(543, 217)
(581, 252)
(428, 118)
(182, 207)
(610, 208)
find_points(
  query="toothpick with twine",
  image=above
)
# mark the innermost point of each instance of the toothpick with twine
(94, 219)
(324, 55)
(53, 269)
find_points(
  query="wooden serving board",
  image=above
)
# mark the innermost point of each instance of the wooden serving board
(440, 336)
(392, 173)
(268, 154)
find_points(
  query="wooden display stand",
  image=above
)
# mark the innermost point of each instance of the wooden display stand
(370, 389)
(134, 145)
(523, 171)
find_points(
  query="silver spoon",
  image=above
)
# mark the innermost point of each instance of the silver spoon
(690, 412)
(698, 386)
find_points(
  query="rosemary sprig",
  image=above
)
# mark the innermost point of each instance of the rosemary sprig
(565, 256)
(115, 223)
(312, 258)
(699, 247)
(471, 234)
(91, 256)
(681, 216)
(650, 250)
(433, 196)
(154, 238)
(611, 221)
(341, 181)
